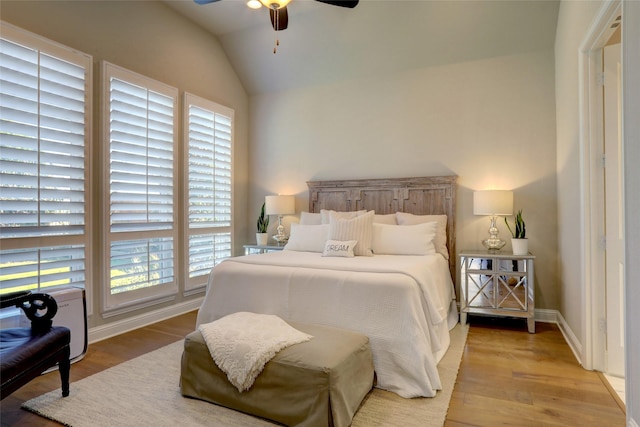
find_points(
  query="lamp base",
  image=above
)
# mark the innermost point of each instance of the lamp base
(280, 237)
(281, 240)
(493, 243)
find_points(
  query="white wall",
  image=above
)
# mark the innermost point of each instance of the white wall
(490, 121)
(134, 35)
(631, 82)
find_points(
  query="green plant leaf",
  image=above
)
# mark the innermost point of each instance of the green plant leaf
(263, 221)
(520, 229)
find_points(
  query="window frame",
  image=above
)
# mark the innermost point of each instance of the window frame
(116, 304)
(61, 52)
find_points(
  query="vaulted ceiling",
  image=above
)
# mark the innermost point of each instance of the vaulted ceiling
(325, 43)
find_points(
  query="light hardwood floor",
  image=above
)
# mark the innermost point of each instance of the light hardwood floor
(507, 377)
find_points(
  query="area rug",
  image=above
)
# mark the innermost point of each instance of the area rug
(145, 392)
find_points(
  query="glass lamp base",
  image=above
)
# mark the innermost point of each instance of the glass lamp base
(280, 237)
(282, 240)
(493, 244)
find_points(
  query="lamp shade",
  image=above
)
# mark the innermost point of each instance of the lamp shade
(279, 205)
(493, 202)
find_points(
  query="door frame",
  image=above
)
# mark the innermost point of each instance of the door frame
(592, 184)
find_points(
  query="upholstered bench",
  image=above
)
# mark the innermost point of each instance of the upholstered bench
(321, 382)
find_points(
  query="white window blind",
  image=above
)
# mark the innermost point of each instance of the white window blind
(209, 131)
(141, 151)
(141, 263)
(141, 136)
(41, 268)
(45, 111)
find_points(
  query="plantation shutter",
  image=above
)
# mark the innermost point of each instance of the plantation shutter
(42, 111)
(45, 111)
(209, 130)
(141, 174)
(141, 150)
(209, 168)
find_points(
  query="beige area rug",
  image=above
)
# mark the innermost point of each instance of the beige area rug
(144, 392)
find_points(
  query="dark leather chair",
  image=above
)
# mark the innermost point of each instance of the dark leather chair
(25, 353)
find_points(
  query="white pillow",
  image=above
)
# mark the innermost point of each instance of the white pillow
(308, 218)
(359, 228)
(440, 241)
(326, 215)
(404, 239)
(339, 248)
(385, 219)
(307, 238)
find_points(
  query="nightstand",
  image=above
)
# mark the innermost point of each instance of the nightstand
(260, 249)
(497, 284)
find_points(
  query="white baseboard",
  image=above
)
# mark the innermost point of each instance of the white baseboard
(546, 316)
(112, 329)
(574, 344)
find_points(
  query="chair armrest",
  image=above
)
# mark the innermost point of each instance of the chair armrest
(39, 308)
(13, 299)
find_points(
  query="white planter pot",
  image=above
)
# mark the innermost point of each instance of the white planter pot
(262, 239)
(520, 246)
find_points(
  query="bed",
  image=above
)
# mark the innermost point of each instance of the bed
(404, 302)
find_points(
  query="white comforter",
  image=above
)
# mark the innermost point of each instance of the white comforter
(404, 304)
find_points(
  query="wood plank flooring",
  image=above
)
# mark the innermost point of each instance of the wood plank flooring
(507, 377)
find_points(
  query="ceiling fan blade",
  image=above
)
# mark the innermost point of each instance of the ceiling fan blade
(342, 3)
(282, 20)
(205, 1)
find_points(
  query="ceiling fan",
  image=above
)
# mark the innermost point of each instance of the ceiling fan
(278, 9)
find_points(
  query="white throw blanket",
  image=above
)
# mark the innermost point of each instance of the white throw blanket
(242, 343)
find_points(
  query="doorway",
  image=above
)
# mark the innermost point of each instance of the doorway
(603, 212)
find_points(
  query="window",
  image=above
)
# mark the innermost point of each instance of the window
(164, 213)
(45, 126)
(140, 157)
(209, 131)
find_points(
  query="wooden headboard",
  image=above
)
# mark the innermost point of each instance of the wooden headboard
(434, 195)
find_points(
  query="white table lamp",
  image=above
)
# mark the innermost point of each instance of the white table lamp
(493, 203)
(280, 205)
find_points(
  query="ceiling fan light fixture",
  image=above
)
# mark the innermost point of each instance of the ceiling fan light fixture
(254, 4)
(275, 4)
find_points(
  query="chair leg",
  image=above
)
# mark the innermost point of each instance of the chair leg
(64, 367)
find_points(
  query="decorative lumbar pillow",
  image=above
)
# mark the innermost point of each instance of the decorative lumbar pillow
(307, 238)
(326, 215)
(339, 248)
(404, 239)
(359, 228)
(440, 241)
(309, 218)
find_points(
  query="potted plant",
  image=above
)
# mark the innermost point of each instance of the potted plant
(519, 241)
(262, 225)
